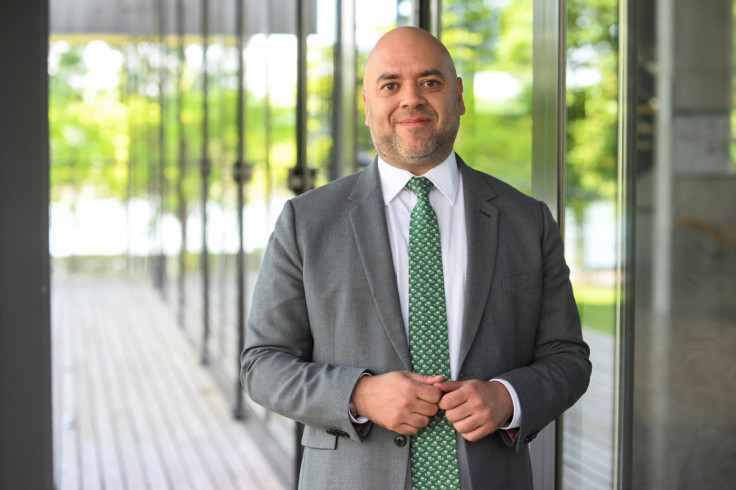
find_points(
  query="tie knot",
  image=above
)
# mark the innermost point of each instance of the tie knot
(420, 186)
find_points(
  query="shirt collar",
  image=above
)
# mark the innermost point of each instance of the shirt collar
(444, 177)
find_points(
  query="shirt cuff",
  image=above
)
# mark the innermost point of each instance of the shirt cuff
(515, 421)
(360, 419)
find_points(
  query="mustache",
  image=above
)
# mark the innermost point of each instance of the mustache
(413, 113)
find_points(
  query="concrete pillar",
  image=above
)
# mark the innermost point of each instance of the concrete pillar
(25, 335)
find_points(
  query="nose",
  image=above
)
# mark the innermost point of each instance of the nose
(411, 96)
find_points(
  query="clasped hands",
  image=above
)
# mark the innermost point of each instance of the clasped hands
(403, 402)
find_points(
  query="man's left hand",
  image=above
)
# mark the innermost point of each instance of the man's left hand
(476, 408)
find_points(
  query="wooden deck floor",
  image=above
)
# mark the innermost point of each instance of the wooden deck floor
(133, 407)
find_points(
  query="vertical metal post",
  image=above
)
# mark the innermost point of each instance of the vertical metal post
(626, 246)
(130, 88)
(301, 80)
(548, 177)
(205, 168)
(241, 174)
(436, 18)
(161, 170)
(301, 177)
(344, 128)
(182, 210)
(658, 360)
(422, 15)
(334, 170)
(266, 18)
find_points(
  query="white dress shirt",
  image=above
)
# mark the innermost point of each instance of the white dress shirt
(447, 201)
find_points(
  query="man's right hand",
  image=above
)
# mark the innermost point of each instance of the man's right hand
(400, 401)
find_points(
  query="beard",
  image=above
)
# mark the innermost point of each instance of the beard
(417, 151)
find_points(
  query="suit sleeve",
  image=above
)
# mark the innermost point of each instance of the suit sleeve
(277, 370)
(560, 369)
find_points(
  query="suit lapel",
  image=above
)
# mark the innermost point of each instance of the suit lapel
(368, 219)
(481, 221)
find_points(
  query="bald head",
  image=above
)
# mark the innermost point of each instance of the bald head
(409, 42)
(413, 99)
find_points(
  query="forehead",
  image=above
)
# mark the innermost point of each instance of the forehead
(402, 56)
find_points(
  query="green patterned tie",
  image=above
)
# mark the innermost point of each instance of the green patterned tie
(433, 450)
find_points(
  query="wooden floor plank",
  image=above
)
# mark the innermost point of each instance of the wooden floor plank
(145, 417)
(91, 476)
(65, 402)
(93, 332)
(112, 366)
(142, 412)
(197, 443)
(207, 408)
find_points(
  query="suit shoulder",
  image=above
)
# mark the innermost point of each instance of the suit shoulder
(503, 190)
(326, 203)
(337, 189)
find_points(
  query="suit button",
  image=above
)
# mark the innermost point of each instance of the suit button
(335, 431)
(530, 437)
(400, 440)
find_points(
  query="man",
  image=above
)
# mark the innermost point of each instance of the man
(332, 334)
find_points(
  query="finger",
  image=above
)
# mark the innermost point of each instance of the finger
(448, 386)
(428, 394)
(459, 412)
(477, 433)
(426, 379)
(453, 399)
(417, 421)
(406, 429)
(463, 422)
(425, 408)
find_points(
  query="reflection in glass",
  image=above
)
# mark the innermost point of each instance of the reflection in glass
(685, 344)
(376, 18)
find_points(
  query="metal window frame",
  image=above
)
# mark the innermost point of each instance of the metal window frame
(549, 128)
(626, 247)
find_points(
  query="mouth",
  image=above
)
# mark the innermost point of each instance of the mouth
(414, 122)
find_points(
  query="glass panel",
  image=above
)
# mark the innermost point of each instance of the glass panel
(685, 343)
(375, 19)
(590, 231)
(491, 44)
(320, 89)
(222, 230)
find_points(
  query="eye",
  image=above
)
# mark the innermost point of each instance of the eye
(431, 83)
(390, 86)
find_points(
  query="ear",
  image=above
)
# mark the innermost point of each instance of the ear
(365, 106)
(461, 103)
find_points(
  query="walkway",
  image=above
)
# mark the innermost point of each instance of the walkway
(133, 407)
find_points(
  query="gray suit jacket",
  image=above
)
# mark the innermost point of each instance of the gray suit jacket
(326, 309)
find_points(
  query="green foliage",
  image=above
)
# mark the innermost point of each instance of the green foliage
(88, 132)
(597, 307)
(108, 140)
(592, 136)
(485, 38)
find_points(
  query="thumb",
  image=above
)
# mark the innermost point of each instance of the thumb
(426, 379)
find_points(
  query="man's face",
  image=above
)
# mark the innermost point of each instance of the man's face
(413, 100)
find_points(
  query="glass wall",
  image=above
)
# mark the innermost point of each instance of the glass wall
(376, 18)
(492, 48)
(591, 219)
(146, 130)
(684, 404)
